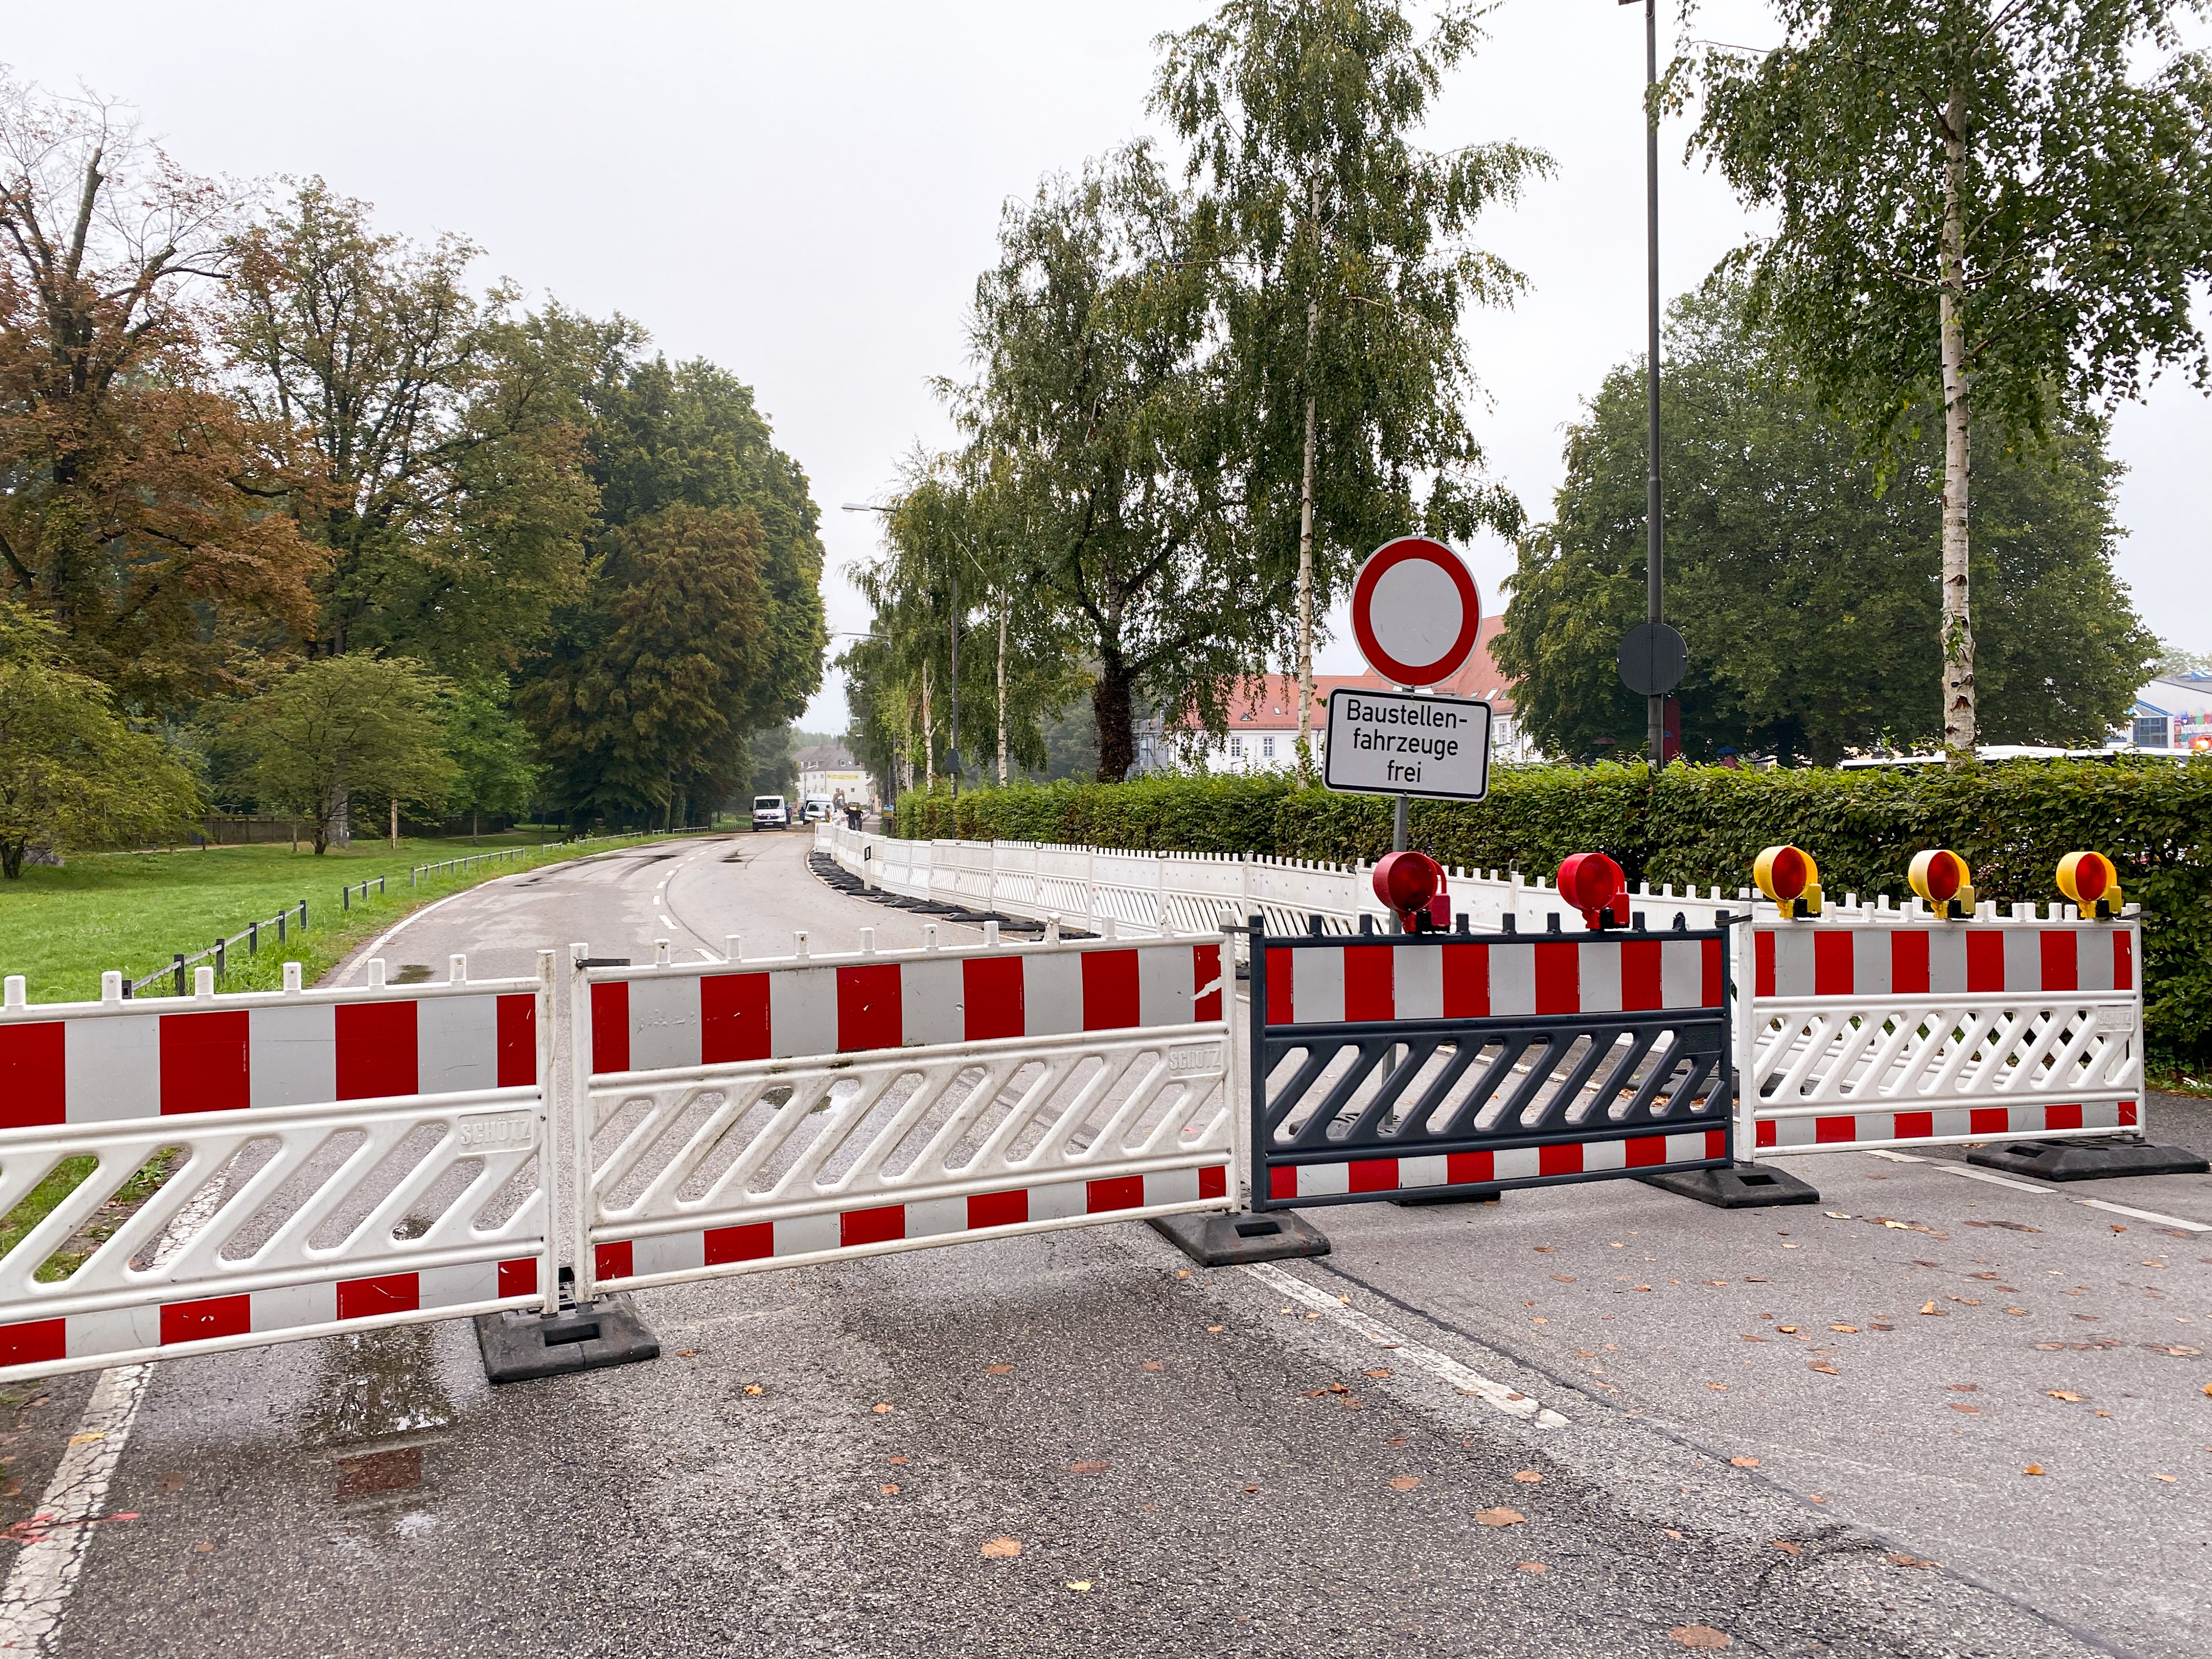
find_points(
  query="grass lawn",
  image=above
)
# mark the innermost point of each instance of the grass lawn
(134, 911)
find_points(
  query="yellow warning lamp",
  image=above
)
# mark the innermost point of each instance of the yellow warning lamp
(1789, 877)
(2090, 880)
(1941, 878)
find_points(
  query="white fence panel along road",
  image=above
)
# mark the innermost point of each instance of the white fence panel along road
(1874, 1027)
(1152, 893)
(323, 1161)
(752, 1115)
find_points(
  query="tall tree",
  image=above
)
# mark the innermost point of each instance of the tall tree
(446, 435)
(693, 434)
(1101, 384)
(492, 753)
(640, 706)
(1992, 209)
(1346, 269)
(1807, 580)
(135, 507)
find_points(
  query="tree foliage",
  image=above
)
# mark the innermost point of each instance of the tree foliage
(341, 730)
(1802, 570)
(446, 435)
(1988, 210)
(72, 771)
(642, 705)
(1345, 266)
(136, 511)
(493, 753)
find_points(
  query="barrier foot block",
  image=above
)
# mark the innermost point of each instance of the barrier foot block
(1422, 1200)
(2095, 1159)
(520, 1346)
(1229, 1241)
(1740, 1187)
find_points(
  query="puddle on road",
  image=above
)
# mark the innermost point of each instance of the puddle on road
(377, 1384)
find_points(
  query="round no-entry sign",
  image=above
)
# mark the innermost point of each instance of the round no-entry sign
(1414, 611)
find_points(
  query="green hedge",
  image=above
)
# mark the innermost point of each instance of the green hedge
(2011, 823)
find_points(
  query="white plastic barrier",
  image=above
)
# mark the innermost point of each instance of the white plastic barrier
(750, 1115)
(1145, 894)
(1876, 1027)
(321, 1161)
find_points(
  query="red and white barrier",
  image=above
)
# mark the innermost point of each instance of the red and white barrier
(1324, 983)
(1918, 1031)
(742, 1119)
(323, 1161)
(646, 1019)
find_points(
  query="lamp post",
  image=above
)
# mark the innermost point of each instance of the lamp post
(1654, 566)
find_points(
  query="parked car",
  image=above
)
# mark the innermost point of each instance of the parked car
(770, 812)
(816, 809)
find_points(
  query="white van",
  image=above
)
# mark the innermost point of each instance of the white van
(769, 812)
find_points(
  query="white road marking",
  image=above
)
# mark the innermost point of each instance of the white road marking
(2026, 1187)
(2146, 1215)
(391, 932)
(1509, 1401)
(705, 954)
(45, 1568)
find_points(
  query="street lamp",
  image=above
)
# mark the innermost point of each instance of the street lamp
(1651, 656)
(952, 748)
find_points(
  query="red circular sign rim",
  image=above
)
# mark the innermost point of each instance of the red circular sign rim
(1386, 558)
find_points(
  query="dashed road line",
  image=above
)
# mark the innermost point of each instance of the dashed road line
(2145, 1215)
(1512, 1402)
(45, 1568)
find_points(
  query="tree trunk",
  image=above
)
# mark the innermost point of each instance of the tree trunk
(473, 826)
(395, 825)
(11, 859)
(1110, 712)
(928, 735)
(1005, 606)
(1958, 633)
(1306, 518)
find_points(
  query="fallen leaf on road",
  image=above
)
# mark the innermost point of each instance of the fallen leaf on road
(2032, 1468)
(1971, 1410)
(1853, 1329)
(2169, 1478)
(755, 1387)
(1718, 1388)
(2117, 1228)
(1788, 1548)
(1835, 1215)
(1404, 1482)
(1088, 1469)
(2155, 1347)
(202, 1549)
(1824, 1366)
(1336, 1388)
(1787, 1330)
(1528, 1477)
(687, 1353)
(1000, 1370)
(1378, 1375)
(901, 1460)
(2208, 1387)
(2061, 1393)
(1002, 1549)
(1701, 1636)
(172, 1481)
(888, 1491)
(1908, 1561)
(1749, 1336)
(1216, 1329)
(881, 1407)
(1970, 1301)
(1743, 1462)
(2015, 1310)
(1671, 1533)
(1930, 1308)
(1251, 1489)
(1533, 1566)
(1079, 1584)
(1643, 1287)
(1565, 1278)
(1501, 1517)
(1154, 1365)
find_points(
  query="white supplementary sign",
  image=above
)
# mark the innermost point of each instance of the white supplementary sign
(1391, 743)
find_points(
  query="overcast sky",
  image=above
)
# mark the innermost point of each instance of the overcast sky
(805, 194)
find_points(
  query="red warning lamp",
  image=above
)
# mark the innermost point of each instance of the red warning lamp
(1941, 877)
(2090, 880)
(1593, 883)
(1413, 885)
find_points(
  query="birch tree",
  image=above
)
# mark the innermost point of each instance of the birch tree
(1988, 212)
(1346, 267)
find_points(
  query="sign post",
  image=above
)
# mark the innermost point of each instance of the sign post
(1416, 614)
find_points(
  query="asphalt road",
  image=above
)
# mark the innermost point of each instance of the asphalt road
(1271, 1462)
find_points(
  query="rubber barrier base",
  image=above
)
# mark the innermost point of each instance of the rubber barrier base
(1230, 1241)
(1742, 1186)
(1421, 1200)
(520, 1346)
(2089, 1160)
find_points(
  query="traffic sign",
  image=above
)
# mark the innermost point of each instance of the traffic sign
(1415, 611)
(1652, 659)
(1393, 742)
